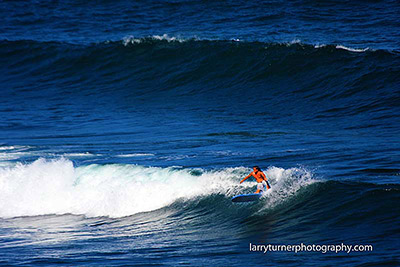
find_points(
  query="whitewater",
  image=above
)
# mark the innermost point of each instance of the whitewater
(116, 190)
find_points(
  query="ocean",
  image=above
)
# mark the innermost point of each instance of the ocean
(126, 127)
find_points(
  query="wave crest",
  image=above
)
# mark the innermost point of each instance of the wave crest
(165, 37)
(116, 190)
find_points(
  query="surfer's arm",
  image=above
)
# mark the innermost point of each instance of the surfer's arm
(247, 177)
(264, 177)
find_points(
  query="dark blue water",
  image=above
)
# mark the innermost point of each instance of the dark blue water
(125, 128)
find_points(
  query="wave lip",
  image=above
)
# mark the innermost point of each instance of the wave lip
(130, 39)
(165, 37)
(358, 50)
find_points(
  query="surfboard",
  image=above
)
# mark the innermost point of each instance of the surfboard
(246, 197)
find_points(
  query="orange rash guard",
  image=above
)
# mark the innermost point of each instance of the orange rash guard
(259, 175)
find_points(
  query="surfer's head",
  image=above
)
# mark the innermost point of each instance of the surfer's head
(256, 168)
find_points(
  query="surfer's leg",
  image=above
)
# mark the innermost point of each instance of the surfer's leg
(260, 188)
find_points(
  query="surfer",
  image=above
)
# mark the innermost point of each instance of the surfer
(260, 178)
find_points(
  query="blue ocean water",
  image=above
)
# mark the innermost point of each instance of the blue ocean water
(126, 126)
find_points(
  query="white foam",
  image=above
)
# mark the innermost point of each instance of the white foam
(16, 148)
(295, 41)
(176, 157)
(358, 50)
(6, 156)
(319, 45)
(13, 152)
(165, 37)
(116, 190)
(7, 147)
(78, 155)
(134, 155)
(286, 183)
(57, 187)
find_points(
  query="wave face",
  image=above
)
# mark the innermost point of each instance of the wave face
(162, 66)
